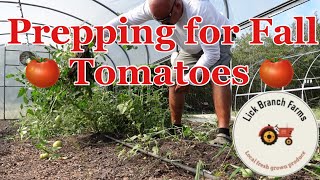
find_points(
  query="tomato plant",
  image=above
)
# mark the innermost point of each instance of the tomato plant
(65, 109)
(276, 73)
(43, 74)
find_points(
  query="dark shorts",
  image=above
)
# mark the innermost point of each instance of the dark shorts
(191, 59)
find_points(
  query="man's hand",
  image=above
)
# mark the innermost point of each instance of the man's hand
(182, 89)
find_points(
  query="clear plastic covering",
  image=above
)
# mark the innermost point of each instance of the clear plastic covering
(251, 9)
(75, 12)
(87, 12)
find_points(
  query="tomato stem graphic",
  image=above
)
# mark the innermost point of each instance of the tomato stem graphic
(274, 60)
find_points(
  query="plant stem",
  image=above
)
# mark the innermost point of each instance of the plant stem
(311, 172)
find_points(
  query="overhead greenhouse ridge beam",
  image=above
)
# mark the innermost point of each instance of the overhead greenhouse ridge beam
(133, 75)
(208, 35)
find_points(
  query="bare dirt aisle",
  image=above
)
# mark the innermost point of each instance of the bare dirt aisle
(84, 161)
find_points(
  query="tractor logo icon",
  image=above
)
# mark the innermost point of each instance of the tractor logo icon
(269, 134)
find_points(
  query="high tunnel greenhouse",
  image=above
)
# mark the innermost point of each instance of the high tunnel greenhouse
(16, 110)
(91, 13)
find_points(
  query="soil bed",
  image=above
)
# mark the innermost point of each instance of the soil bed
(95, 157)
